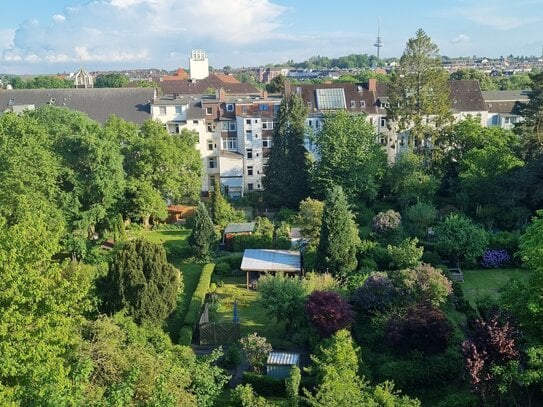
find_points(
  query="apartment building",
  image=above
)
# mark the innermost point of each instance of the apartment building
(503, 106)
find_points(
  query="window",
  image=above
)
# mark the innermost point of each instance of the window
(317, 124)
(507, 120)
(162, 110)
(310, 123)
(250, 186)
(249, 135)
(195, 122)
(230, 143)
(362, 103)
(231, 126)
(250, 170)
(178, 109)
(229, 107)
(209, 110)
(210, 127)
(248, 121)
(212, 162)
(353, 104)
(249, 153)
(276, 109)
(266, 142)
(244, 109)
(210, 145)
(309, 105)
(263, 107)
(383, 122)
(267, 125)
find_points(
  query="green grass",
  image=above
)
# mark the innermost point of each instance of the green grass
(252, 316)
(486, 283)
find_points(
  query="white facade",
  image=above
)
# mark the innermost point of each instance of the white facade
(198, 65)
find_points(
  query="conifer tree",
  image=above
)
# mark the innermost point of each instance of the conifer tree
(287, 173)
(202, 236)
(222, 212)
(339, 239)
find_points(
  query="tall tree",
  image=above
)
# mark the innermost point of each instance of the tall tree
(531, 129)
(142, 281)
(349, 157)
(222, 212)
(203, 235)
(111, 80)
(419, 89)
(339, 239)
(287, 172)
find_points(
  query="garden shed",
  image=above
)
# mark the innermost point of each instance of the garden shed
(279, 364)
(237, 229)
(258, 261)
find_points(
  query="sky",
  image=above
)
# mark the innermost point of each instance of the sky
(53, 36)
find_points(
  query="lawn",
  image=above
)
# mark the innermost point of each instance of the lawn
(487, 282)
(252, 316)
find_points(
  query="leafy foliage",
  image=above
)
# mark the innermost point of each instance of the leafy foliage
(143, 282)
(406, 254)
(256, 350)
(328, 312)
(423, 283)
(202, 237)
(420, 217)
(111, 80)
(495, 258)
(310, 217)
(222, 212)
(378, 293)
(423, 328)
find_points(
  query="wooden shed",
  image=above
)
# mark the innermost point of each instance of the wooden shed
(258, 261)
(279, 364)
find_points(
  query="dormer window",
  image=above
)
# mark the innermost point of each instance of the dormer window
(229, 107)
(353, 104)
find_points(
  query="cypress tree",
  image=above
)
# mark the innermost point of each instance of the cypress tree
(287, 173)
(202, 235)
(339, 239)
(221, 211)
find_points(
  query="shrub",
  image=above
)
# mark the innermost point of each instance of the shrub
(256, 350)
(292, 384)
(223, 269)
(386, 221)
(243, 396)
(328, 312)
(423, 328)
(232, 357)
(406, 254)
(378, 293)
(431, 258)
(198, 298)
(459, 400)
(423, 283)
(234, 261)
(265, 385)
(185, 336)
(495, 258)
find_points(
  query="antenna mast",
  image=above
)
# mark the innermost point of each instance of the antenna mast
(379, 42)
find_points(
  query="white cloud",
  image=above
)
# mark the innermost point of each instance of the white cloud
(494, 14)
(461, 38)
(141, 31)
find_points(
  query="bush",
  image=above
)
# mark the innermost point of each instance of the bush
(243, 396)
(223, 269)
(495, 258)
(459, 400)
(283, 243)
(265, 385)
(234, 261)
(285, 215)
(185, 336)
(378, 293)
(328, 312)
(255, 241)
(198, 299)
(231, 358)
(256, 350)
(431, 258)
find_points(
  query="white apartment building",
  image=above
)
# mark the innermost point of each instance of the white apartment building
(198, 65)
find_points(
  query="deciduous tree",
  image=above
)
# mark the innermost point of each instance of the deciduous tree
(328, 312)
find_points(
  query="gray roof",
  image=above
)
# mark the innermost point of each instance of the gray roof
(130, 104)
(283, 358)
(240, 227)
(506, 95)
(271, 260)
(466, 96)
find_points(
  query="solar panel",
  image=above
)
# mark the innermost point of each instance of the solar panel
(330, 99)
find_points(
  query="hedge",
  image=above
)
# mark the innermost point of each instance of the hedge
(265, 385)
(197, 302)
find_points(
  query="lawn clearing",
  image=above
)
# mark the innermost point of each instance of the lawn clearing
(487, 282)
(252, 316)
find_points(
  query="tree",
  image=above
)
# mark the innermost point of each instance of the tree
(286, 180)
(283, 299)
(256, 350)
(388, 226)
(419, 89)
(459, 238)
(292, 383)
(310, 217)
(328, 312)
(339, 239)
(202, 237)
(349, 157)
(491, 356)
(244, 396)
(406, 254)
(276, 85)
(420, 217)
(484, 79)
(531, 128)
(222, 212)
(142, 281)
(378, 293)
(422, 283)
(423, 328)
(111, 80)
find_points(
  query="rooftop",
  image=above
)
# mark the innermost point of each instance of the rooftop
(271, 260)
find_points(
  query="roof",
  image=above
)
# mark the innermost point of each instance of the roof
(240, 227)
(506, 95)
(283, 358)
(271, 260)
(466, 96)
(130, 104)
(187, 87)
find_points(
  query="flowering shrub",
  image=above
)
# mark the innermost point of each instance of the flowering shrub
(495, 258)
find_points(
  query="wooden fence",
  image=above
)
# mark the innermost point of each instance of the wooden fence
(216, 333)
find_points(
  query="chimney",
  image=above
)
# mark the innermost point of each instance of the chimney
(220, 94)
(372, 85)
(264, 94)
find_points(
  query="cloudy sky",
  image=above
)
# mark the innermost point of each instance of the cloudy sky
(50, 36)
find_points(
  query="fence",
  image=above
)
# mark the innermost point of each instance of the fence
(216, 333)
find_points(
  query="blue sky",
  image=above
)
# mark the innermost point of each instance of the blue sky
(49, 36)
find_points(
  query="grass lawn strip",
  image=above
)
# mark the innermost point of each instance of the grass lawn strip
(487, 282)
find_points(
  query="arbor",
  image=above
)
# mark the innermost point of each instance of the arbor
(459, 238)
(531, 128)
(283, 299)
(142, 281)
(339, 238)
(202, 236)
(419, 89)
(111, 80)
(349, 157)
(328, 312)
(286, 180)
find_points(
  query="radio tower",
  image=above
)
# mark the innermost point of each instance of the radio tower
(379, 42)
